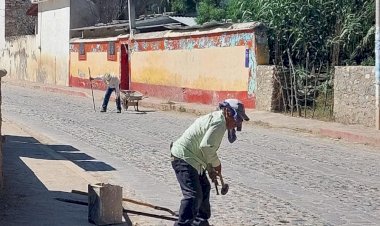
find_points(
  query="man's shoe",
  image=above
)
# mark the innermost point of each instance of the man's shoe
(103, 110)
(118, 111)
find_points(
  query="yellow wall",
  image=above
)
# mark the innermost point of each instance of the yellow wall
(219, 69)
(98, 63)
(51, 70)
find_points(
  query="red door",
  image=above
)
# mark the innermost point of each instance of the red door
(124, 68)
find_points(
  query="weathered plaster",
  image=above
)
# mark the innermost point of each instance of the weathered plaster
(20, 59)
(53, 41)
(189, 43)
(217, 69)
(252, 72)
(96, 61)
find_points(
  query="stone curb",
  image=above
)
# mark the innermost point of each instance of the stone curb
(351, 137)
(67, 92)
(172, 107)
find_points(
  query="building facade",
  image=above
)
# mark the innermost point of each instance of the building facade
(199, 66)
(44, 56)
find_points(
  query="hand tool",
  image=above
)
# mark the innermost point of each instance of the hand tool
(225, 187)
(92, 90)
(216, 186)
(135, 202)
(212, 171)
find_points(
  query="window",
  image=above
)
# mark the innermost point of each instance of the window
(111, 53)
(82, 52)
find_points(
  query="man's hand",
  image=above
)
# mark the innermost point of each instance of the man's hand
(218, 169)
(213, 172)
(212, 175)
(91, 78)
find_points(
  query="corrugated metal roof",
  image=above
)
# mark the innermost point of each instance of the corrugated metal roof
(104, 39)
(208, 28)
(188, 21)
(154, 22)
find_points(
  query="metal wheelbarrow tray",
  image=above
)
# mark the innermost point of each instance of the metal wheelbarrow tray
(131, 98)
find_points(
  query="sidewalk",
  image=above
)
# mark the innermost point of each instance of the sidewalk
(34, 176)
(351, 133)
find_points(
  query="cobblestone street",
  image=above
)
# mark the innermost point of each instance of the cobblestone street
(276, 177)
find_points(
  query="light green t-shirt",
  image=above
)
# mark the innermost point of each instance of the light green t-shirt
(199, 143)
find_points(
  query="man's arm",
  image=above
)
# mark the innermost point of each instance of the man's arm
(97, 78)
(117, 88)
(211, 143)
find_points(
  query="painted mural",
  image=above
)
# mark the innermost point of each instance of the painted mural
(195, 42)
(202, 68)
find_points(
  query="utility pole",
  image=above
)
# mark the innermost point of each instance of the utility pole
(377, 66)
(132, 17)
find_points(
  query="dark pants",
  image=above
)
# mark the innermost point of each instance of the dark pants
(107, 99)
(195, 205)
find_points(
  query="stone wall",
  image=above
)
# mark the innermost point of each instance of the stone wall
(266, 88)
(354, 95)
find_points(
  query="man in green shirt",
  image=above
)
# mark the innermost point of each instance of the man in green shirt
(195, 151)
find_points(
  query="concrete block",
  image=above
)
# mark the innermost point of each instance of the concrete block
(105, 204)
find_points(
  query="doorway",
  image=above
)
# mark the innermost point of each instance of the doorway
(124, 68)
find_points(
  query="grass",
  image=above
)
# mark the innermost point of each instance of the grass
(321, 112)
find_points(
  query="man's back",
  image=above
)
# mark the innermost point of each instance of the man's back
(199, 143)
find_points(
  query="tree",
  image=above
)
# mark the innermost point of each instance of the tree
(184, 6)
(338, 32)
(211, 10)
(17, 22)
(110, 10)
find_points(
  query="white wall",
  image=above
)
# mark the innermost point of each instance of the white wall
(2, 24)
(54, 41)
(21, 58)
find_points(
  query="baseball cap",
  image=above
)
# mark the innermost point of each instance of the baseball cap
(239, 108)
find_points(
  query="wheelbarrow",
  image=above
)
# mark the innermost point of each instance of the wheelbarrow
(131, 98)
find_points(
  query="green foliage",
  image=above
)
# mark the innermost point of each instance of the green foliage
(334, 32)
(183, 6)
(210, 10)
(337, 32)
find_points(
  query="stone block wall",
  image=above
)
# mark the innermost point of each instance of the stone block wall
(267, 87)
(354, 95)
